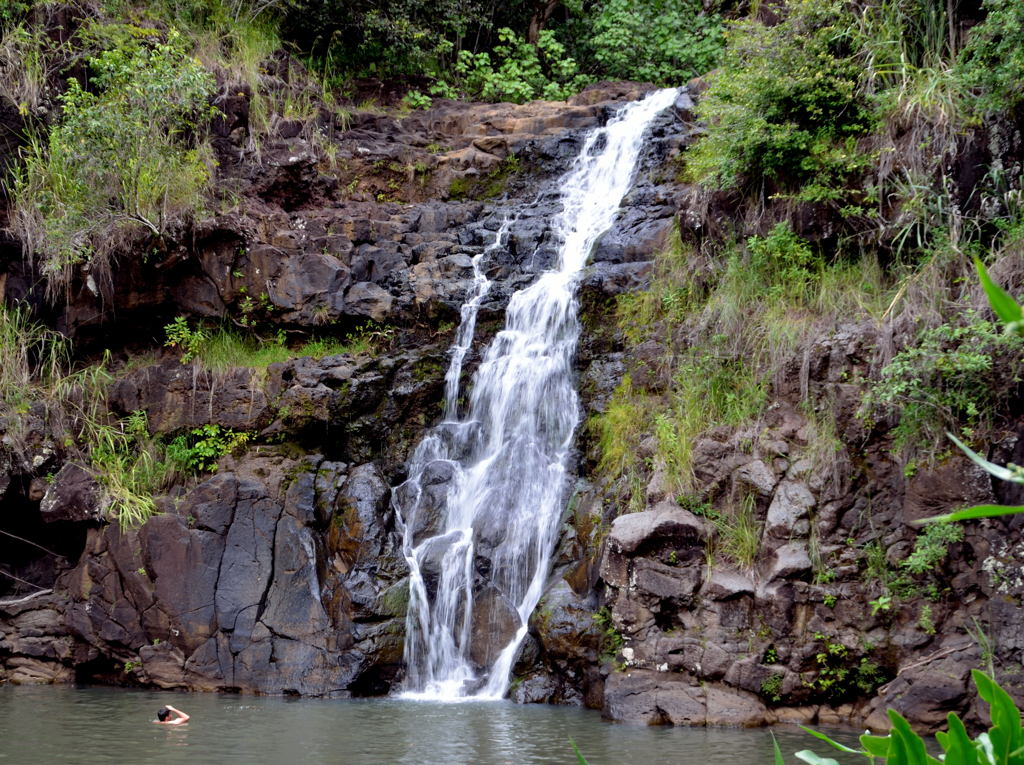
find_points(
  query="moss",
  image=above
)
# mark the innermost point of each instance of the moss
(395, 600)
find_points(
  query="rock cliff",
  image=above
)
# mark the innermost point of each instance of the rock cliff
(282, 571)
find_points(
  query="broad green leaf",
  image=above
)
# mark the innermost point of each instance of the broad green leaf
(1005, 307)
(997, 470)
(808, 756)
(907, 748)
(778, 752)
(957, 744)
(971, 513)
(1005, 734)
(830, 742)
(876, 746)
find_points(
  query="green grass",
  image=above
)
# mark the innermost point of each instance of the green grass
(739, 533)
(226, 349)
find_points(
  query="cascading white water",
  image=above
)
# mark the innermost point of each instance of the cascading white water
(501, 468)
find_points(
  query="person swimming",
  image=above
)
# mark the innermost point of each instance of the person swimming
(164, 712)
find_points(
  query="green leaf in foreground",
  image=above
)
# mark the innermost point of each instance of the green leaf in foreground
(973, 513)
(1005, 307)
(997, 470)
(580, 759)
(1011, 473)
(777, 751)
(829, 741)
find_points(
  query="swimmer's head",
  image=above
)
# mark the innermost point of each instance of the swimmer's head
(162, 714)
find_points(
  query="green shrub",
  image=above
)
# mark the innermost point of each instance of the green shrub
(191, 341)
(992, 62)
(12, 12)
(931, 547)
(612, 641)
(781, 265)
(657, 41)
(31, 357)
(785, 103)
(953, 377)
(198, 450)
(841, 674)
(771, 687)
(518, 71)
(128, 465)
(123, 156)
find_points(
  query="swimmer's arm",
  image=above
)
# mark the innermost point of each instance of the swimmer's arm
(182, 717)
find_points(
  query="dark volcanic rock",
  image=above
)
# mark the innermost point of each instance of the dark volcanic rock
(72, 496)
(205, 597)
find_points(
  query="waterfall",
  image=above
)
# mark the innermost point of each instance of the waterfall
(481, 508)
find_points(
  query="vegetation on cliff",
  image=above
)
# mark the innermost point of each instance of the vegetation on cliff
(819, 312)
(851, 159)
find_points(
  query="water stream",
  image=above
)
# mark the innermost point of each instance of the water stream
(479, 554)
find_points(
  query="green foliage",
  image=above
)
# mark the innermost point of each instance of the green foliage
(931, 547)
(771, 687)
(580, 759)
(122, 155)
(13, 11)
(992, 63)
(785, 102)
(924, 619)
(517, 71)
(416, 100)
(739, 532)
(488, 186)
(198, 450)
(31, 357)
(1001, 744)
(127, 464)
(191, 341)
(677, 40)
(227, 349)
(612, 641)
(387, 39)
(781, 265)
(953, 376)
(1005, 307)
(620, 428)
(841, 674)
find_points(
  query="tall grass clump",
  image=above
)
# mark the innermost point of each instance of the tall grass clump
(28, 60)
(32, 357)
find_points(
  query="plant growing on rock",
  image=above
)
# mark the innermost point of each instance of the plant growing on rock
(771, 687)
(198, 450)
(123, 158)
(612, 641)
(181, 335)
(952, 377)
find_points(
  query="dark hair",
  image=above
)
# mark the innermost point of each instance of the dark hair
(163, 713)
